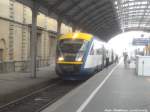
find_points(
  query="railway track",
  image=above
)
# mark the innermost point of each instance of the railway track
(40, 99)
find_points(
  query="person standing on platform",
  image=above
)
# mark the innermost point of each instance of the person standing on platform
(107, 60)
(116, 59)
(125, 55)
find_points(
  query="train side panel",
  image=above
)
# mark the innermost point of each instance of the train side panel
(95, 56)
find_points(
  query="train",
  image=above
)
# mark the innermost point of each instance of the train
(80, 55)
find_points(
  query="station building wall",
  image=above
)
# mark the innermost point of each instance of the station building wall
(15, 30)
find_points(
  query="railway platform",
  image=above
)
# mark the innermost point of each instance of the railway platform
(115, 89)
(16, 84)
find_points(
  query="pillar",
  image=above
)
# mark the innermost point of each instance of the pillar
(34, 40)
(73, 28)
(59, 26)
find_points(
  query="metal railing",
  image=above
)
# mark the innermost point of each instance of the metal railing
(7, 67)
(23, 66)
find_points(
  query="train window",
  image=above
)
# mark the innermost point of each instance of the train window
(92, 50)
(99, 51)
(96, 51)
(72, 46)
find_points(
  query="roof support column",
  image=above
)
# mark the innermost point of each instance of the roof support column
(74, 28)
(59, 26)
(33, 44)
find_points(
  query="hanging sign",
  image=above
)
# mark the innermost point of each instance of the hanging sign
(140, 41)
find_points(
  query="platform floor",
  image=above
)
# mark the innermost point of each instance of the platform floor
(17, 84)
(121, 91)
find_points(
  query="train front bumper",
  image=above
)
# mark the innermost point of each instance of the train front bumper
(73, 72)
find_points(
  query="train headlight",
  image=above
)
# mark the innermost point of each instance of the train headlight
(79, 59)
(61, 58)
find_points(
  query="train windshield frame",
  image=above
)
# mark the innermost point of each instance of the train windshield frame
(72, 45)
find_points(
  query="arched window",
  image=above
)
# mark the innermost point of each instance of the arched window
(2, 49)
(2, 44)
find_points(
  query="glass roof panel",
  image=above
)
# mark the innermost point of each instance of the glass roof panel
(133, 13)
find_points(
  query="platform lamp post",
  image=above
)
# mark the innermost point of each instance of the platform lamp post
(33, 44)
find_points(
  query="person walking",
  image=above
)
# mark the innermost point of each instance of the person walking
(125, 55)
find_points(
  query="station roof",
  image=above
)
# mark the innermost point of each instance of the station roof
(133, 14)
(103, 18)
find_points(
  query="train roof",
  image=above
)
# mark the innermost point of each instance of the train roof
(77, 35)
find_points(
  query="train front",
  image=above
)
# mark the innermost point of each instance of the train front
(71, 55)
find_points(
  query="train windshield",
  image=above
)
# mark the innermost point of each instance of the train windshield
(72, 46)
